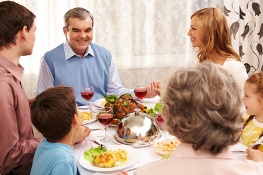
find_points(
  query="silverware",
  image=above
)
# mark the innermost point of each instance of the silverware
(131, 169)
(95, 129)
(101, 145)
(94, 108)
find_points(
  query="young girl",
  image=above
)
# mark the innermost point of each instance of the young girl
(253, 101)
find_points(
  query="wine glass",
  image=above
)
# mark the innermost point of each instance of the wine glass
(105, 117)
(140, 92)
(87, 92)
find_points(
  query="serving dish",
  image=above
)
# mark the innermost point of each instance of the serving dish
(100, 102)
(136, 129)
(164, 145)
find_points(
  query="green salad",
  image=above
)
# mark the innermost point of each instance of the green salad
(157, 108)
(110, 98)
(93, 151)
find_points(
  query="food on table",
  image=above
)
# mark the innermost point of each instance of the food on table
(111, 158)
(103, 103)
(101, 157)
(86, 116)
(90, 153)
(115, 121)
(165, 147)
(165, 156)
(123, 105)
(111, 98)
(155, 110)
(103, 160)
(159, 117)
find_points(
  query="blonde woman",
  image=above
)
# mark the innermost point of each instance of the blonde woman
(209, 32)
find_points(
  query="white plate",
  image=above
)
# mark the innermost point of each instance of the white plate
(94, 117)
(151, 102)
(132, 159)
(238, 147)
(99, 102)
(135, 145)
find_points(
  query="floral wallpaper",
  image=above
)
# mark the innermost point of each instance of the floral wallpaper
(246, 25)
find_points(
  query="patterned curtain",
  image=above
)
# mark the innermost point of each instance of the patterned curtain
(246, 24)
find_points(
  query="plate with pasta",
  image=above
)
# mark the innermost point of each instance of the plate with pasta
(87, 116)
(123, 157)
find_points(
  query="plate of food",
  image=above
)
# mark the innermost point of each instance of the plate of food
(100, 102)
(114, 157)
(87, 116)
(163, 145)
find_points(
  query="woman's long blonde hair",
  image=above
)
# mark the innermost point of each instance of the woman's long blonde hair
(215, 34)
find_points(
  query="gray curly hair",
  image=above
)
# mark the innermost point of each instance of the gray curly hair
(202, 106)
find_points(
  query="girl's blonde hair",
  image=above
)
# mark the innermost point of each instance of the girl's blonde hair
(257, 79)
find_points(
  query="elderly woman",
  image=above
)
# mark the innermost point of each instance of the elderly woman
(201, 107)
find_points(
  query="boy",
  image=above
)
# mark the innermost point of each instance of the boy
(56, 116)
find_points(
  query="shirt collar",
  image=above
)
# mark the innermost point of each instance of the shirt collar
(15, 70)
(70, 53)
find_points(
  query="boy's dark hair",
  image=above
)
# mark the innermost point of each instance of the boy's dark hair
(52, 112)
(12, 19)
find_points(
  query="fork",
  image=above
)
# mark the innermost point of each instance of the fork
(95, 108)
(101, 145)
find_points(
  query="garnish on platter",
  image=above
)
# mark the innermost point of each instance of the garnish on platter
(101, 157)
(155, 110)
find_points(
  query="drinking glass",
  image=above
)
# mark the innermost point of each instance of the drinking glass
(105, 117)
(140, 92)
(87, 92)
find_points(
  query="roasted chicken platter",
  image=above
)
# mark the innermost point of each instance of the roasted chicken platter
(123, 105)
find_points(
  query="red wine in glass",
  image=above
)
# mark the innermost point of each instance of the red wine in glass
(87, 95)
(140, 93)
(105, 117)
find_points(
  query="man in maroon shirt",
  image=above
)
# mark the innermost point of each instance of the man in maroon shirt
(17, 142)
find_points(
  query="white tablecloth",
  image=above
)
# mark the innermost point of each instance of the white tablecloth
(146, 154)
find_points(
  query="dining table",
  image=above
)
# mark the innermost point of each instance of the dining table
(145, 153)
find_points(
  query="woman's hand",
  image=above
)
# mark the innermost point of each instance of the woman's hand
(158, 88)
(152, 92)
